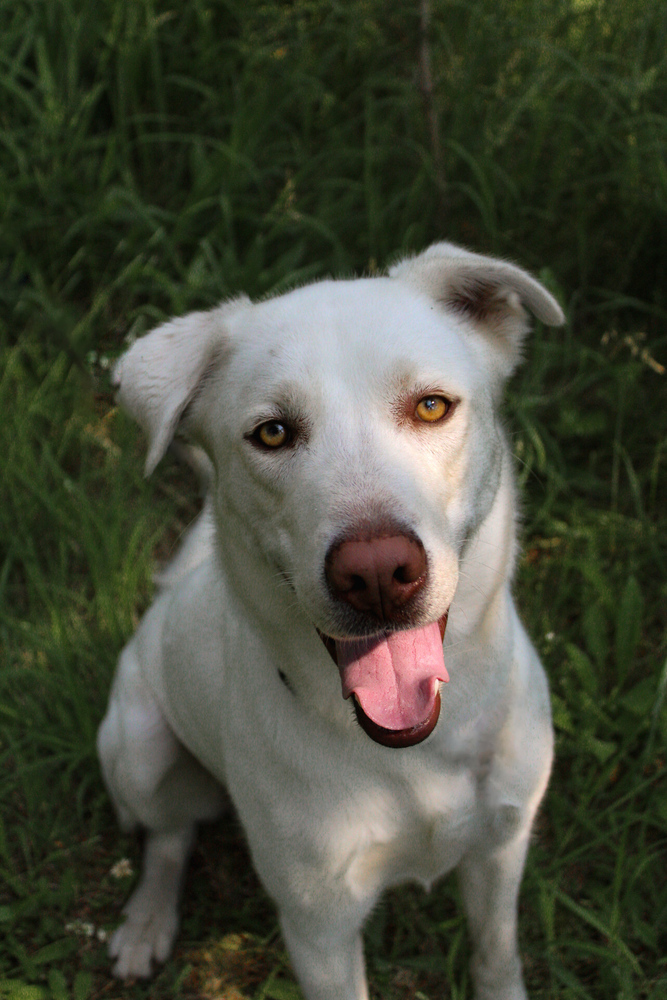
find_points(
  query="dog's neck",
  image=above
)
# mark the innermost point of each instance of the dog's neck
(487, 565)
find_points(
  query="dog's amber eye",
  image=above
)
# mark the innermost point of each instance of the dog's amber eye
(272, 434)
(430, 409)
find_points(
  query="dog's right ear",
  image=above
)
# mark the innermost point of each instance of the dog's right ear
(160, 374)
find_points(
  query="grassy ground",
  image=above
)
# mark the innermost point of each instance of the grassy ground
(156, 157)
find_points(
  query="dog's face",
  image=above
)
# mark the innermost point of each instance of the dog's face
(344, 411)
(352, 427)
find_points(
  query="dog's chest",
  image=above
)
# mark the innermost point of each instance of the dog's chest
(420, 832)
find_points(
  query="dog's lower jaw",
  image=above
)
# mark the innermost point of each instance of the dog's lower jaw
(398, 738)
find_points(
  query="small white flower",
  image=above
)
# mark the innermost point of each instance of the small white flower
(101, 934)
(550, 636)
(80, 927)
(122, 868)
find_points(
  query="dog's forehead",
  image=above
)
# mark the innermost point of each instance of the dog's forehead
(374, 326)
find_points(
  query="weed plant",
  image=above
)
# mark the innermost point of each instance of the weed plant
(157, 157)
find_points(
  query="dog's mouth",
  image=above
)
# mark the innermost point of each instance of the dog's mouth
(395, 680)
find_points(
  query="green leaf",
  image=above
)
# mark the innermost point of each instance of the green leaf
(628, 627)
(83, 986)
(547, 906)
(561, 715)
(55, 951)
(14, 989)
(573, 421)
(583, 668)
(601, 749)
(595, 632)
(641, 698)
(280, 989)
(58, 985)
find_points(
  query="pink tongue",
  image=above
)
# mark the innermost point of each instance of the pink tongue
(394, 677)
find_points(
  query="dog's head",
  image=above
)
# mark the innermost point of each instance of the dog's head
(352, 428)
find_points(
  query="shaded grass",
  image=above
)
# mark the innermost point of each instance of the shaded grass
(155, 159)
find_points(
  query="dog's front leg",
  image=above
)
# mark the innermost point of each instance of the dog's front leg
(490, 885)
(151, 914)
(327, 956)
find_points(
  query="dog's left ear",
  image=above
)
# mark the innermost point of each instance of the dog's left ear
(159, 376)
(490, 293)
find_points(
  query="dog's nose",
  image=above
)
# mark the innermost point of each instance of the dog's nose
(377, 576)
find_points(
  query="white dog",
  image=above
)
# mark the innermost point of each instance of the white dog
(361, 499)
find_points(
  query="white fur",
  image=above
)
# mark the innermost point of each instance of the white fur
(331, 817)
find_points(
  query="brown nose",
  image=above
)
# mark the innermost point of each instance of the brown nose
(377, 576)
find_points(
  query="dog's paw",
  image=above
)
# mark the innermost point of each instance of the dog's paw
(145, 937)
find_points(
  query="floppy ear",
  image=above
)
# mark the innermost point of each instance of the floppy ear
(490, 293)
(160, 374)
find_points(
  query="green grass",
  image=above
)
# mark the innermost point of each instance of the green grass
(157, 157)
